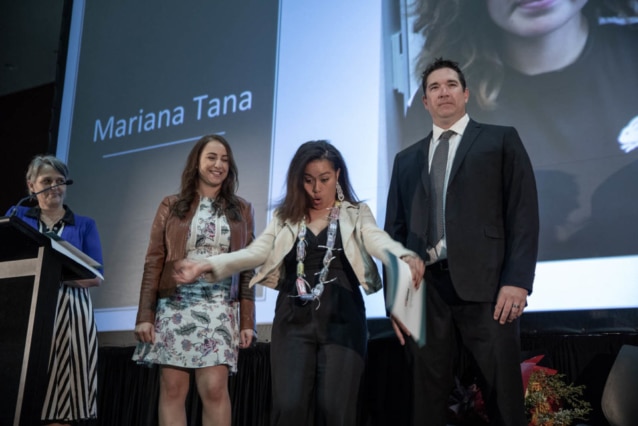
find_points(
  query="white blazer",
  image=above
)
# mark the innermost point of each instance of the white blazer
(360, 235)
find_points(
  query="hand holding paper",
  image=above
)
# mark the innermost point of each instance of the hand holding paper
(404, 301)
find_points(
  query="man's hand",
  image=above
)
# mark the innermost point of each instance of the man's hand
(510, 303)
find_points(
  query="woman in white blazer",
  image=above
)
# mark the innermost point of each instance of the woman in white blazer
(317, 252)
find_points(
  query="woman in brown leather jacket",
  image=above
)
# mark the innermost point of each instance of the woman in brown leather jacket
(197, 326)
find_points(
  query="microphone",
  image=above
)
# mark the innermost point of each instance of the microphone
(33, 195)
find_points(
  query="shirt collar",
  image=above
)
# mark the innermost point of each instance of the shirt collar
(458, 127)
(68, 218)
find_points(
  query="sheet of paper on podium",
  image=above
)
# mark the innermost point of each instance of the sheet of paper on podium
(403, 301)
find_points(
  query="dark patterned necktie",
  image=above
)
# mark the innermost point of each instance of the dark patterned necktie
(437, 181)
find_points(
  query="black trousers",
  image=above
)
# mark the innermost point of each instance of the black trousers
(316, 375)
(452, 324)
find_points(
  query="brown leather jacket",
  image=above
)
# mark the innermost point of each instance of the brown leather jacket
(167, 244)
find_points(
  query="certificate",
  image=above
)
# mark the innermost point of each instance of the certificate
(403, 301)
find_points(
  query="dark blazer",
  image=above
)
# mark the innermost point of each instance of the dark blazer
(491, 210)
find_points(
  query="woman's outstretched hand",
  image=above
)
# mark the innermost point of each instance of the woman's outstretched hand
(187, 270)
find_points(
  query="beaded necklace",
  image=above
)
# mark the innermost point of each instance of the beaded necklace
(304, 289)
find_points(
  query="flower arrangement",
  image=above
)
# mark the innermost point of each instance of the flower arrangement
(549, 401)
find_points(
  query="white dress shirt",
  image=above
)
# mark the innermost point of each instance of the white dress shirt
(440, 251)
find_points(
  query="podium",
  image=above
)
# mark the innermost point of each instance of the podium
(31, 268)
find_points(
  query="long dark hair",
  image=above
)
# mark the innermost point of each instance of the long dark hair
(226, 200)
(463, 30)
(295, 203)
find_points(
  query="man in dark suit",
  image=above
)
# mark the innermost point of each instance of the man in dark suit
(480, 240)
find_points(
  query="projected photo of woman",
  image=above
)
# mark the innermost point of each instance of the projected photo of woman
(563, 72)
(316, 252)
(71, 394)
(199, 326)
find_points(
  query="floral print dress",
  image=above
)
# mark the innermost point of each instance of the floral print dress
(198, 326)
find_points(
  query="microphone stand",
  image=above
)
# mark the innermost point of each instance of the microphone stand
(14, 211)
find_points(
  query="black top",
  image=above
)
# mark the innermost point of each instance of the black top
(339, 269)
(570, 121)
(339, 314)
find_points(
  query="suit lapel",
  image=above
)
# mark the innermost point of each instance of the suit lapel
(470, 134)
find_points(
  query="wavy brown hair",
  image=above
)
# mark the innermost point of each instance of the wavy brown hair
(295, 203)
(463, 30)
(226, 200)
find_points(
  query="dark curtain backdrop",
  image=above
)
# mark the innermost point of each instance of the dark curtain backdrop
(25, 119)
(128, 392)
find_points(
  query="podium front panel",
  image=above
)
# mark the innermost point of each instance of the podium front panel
(27, 314)
(15, 309)
(30, 275)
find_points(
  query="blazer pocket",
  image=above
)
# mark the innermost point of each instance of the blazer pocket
(494, 232)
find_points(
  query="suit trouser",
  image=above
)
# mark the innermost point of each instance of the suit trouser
(451, 324)
(314, 380)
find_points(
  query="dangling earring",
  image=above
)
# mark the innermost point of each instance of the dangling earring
(340, 196)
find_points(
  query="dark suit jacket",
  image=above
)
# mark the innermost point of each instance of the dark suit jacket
(491, 210)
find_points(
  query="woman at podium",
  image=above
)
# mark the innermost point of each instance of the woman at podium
(71, 394)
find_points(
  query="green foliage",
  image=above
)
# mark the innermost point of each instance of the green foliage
(549, 401)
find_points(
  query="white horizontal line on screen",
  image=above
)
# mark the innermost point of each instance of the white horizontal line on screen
(161, 145)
